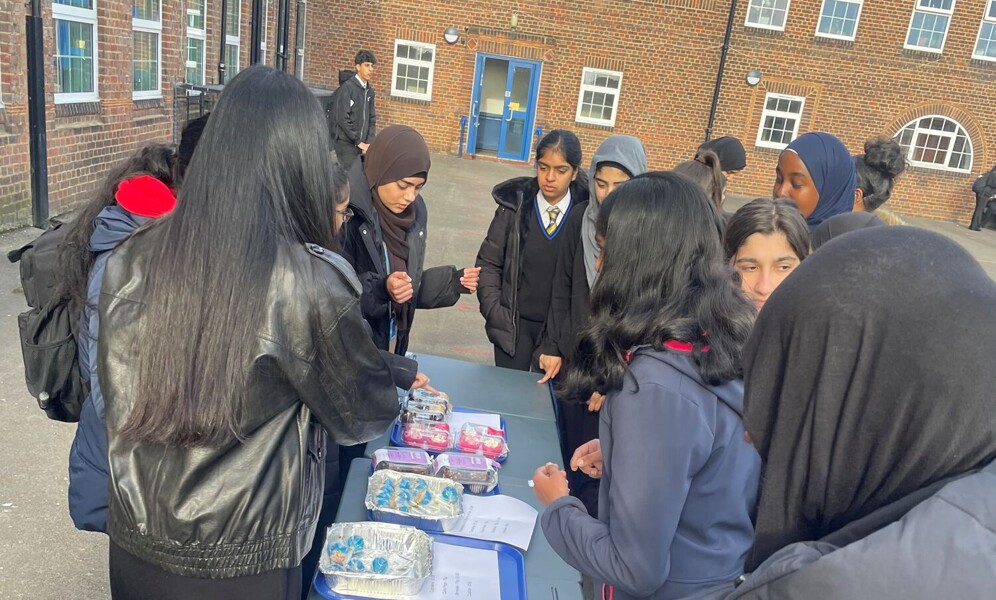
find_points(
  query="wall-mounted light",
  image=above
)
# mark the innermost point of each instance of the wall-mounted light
(753, 77)
(451, 35)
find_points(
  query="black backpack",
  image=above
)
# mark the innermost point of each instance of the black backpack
(49, 328)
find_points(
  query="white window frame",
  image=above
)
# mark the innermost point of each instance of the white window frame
(234, 40)
(155, 27)
(834, 36)
(616, 93)
(932, 11)
(947, 134)
(427, 96)
(747, 23)
(765, 112)
(197, 34)
(61, 12)
(990, 7)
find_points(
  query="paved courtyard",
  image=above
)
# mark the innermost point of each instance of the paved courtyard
(42, 557)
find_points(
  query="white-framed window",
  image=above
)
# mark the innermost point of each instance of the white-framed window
(779, 120)
(767, 14)
(414, 66)
(936, 142)
(147, 34)
(233, 24)
(929, 25)
(839, 19)
(598, 99)
(985, 44)
(75, 51)
(196, 36)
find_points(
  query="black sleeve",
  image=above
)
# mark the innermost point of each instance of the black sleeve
(491, 259)
(344, 115)
(403, 369)
(440, 287)
(372, 131)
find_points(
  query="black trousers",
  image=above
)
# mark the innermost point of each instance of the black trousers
(981, 200)
(525, 345)
(346, 153)
(134, 579)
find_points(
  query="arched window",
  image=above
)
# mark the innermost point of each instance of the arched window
(936, 142)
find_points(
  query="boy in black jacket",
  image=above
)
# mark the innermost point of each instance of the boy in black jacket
(353, 112)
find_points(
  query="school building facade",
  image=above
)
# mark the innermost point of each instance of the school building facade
(486, 78)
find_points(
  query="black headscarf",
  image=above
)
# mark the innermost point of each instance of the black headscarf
(868, 376)
(838, 225)
(397, 152)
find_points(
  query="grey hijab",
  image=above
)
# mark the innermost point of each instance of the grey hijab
(626, 151)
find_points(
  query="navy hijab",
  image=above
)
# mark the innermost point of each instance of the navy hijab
(831, 168)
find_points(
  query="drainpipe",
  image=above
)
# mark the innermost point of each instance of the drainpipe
(256, 33)
(38, 144)
(299, 34)
(283, 14)
(722, 67)
(224, 41)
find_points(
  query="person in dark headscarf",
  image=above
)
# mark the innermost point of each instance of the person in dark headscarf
(817, 172)
(385, 242)
(841, 224)
(867, 400)
(730, 151)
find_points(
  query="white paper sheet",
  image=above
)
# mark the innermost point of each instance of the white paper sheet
(460, 572)
(497, 518)
(457, 419)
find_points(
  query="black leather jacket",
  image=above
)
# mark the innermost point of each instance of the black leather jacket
(250, 506)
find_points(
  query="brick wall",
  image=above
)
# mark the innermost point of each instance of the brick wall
(15, 187)
(668, 51)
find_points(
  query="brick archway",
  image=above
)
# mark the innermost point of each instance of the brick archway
(957, 114)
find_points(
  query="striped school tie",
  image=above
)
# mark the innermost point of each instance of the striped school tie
(554, 212)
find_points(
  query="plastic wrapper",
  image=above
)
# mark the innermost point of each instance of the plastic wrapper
(439, 399)
(413, 411)
(483, 440)
(403, 460)
(479, 475)
(434, 437)
(378, 560)
(429, 503)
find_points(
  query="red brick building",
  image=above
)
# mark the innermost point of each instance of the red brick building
(921, 70)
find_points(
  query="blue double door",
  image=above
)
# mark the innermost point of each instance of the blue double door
(503, 107)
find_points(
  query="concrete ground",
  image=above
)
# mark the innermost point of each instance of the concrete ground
(42, 557)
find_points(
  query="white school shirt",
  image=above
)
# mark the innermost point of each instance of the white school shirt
(543, 206)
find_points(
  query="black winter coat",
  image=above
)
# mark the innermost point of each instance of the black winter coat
(251, 505)
(354, 114)
(363, 247)
(985, 184)
(500, 256)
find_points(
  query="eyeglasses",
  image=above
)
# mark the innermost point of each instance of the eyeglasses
(346, 214)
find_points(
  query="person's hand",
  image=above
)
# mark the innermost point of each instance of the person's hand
(363, 147)
(550, 365)
(588, 459)
(470, 278)
(595, 402)
(399, 287)
(422, 382)
(550, 483)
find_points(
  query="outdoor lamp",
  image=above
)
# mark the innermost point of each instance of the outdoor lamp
(753, 77)
(451, 35)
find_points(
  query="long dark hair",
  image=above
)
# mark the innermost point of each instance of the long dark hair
(878, 168)
(569, 146)
(706, 171)
(662, 278)
(75, 257)
(767, 216)
(259, 182)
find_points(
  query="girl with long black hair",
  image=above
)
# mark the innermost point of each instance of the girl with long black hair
(231, 342)
(535, 217)
(678, 480)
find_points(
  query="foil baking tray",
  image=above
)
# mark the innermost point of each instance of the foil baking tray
(429, 503)
(380, 560)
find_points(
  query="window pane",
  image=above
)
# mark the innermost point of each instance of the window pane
(87, 4)
(145, 62)
(589, 77)
(986, 45)
(937, 4)
(840, 17)
(771, 104)
(195, 61)
(232, 18)
(401, 51)
(992, 10)
(195, 14)
(927, 30)
(73, 57)
(231, 61)
(147, 10)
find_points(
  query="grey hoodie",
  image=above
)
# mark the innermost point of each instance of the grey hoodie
(626, 151)
(678, 490)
